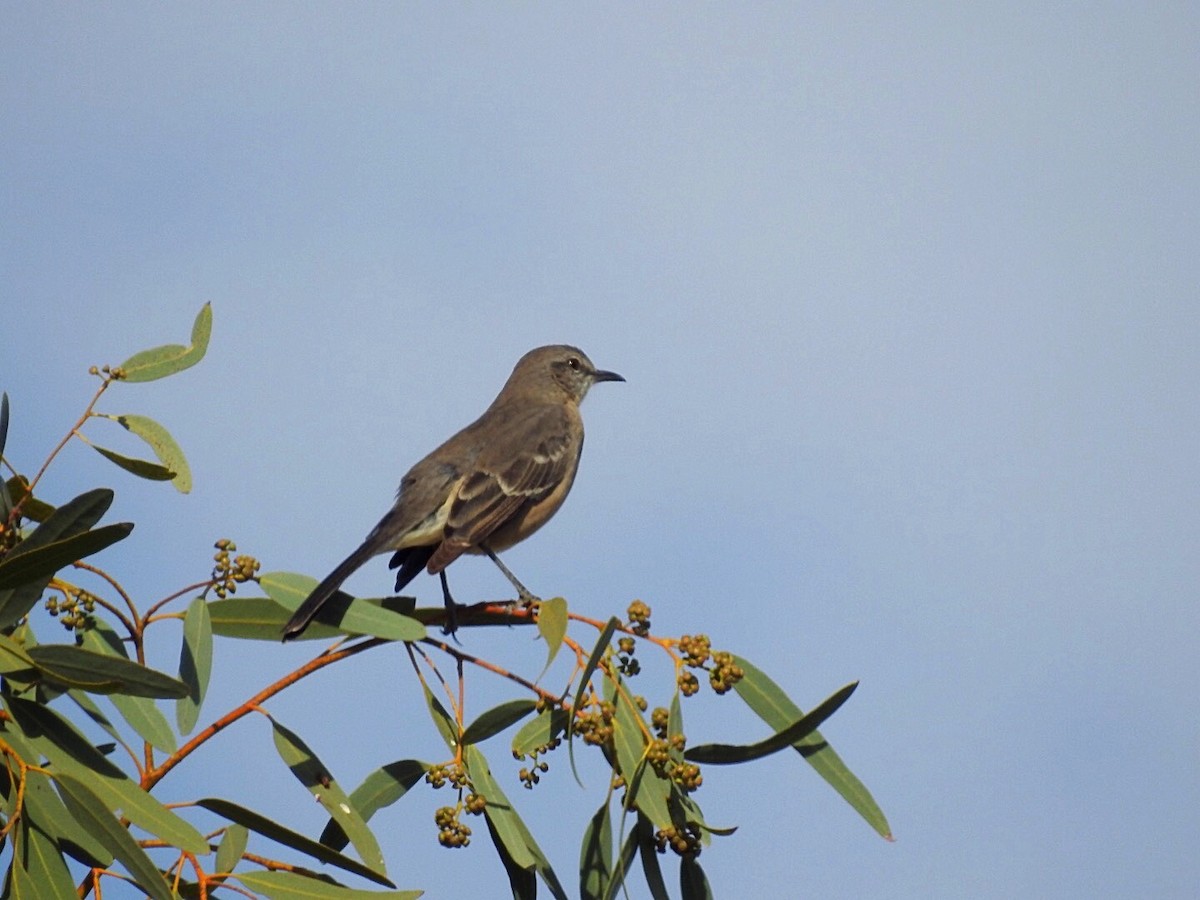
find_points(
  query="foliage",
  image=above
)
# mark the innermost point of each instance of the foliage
(77, 813)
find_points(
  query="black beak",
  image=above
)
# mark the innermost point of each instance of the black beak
(602, 375)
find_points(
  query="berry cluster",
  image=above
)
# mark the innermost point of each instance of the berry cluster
(74, 610)
(685, 843)
(639, 618)
(451, 831)
(228, 573)
(723, 672)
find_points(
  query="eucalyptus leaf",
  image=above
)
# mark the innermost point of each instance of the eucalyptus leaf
(195, 663)
(142, 468)
(381, 788)
(260, 824)
(552, 626)
(97, 817)
(23, 568)
(312, 773)
(160, 362)
(496, 719)
(773, 706)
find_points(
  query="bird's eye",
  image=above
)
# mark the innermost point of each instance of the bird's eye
(573, 362)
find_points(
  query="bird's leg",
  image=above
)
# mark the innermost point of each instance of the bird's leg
(451, 625)
(523, 592)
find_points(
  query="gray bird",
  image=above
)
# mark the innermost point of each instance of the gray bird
(487, 488)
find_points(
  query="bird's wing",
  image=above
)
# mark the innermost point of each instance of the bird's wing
(503, 483)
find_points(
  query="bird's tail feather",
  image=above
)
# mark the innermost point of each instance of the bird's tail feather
(327, 588)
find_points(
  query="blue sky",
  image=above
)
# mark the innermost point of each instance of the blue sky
(906, 298)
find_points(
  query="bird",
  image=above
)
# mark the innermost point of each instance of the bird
(488, 487)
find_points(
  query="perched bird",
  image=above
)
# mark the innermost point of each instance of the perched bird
(490, 486)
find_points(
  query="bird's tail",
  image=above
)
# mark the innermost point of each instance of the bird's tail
(326, 589)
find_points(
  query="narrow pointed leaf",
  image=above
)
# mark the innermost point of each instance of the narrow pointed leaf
(15, 660)
(168, 452)
(77, 667)
(312, 773)
(3, 421)
(595, 856)
(279, 885)
(445, 723)
(70, 753)
(68, 520)
(46, 809)
(95, 815)
(381, 788)
(18, 569)
(521, 881)
(289, 590)
(581, 691)
(260, 824)
(693, 885)
(727, 754)
(160, 362)
(497, 719)
(43, 864)
(552, 626)
(775, 708)
(540, 731)
(195, 663)
(651, 869)
(232, 846)
(629, 852)
(31, 507)
(142, 468)
(644, 786)
(501, 814)
(140, 712)
(262, 619)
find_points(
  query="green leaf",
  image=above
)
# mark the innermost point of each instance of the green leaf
(651, 869)
(140, 712)
(522, 882)
(160, 362)
(71, 754)
(18, 569)
(39, 869)
(645, 788)
(195, 663)
(96, 816)
(142, 468)
(15, 660)
(311, 772)
(509, 827)
(541, 730)
(775, 708)
(726, 754)
(594, 660)
(262, 619)
(289, 590)
(445, 723)
(595, 856)
(44, 807)
(99, 673)
(70, 519)
(31, 507)
(293, 886)
(3, 421)
(692, 883)
(168, 452)
(260, 824)
(381, 788)
(629, 852)
(497, 719)
(552, 626)
(232, 846)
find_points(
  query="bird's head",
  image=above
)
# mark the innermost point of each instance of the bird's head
(561, 367)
